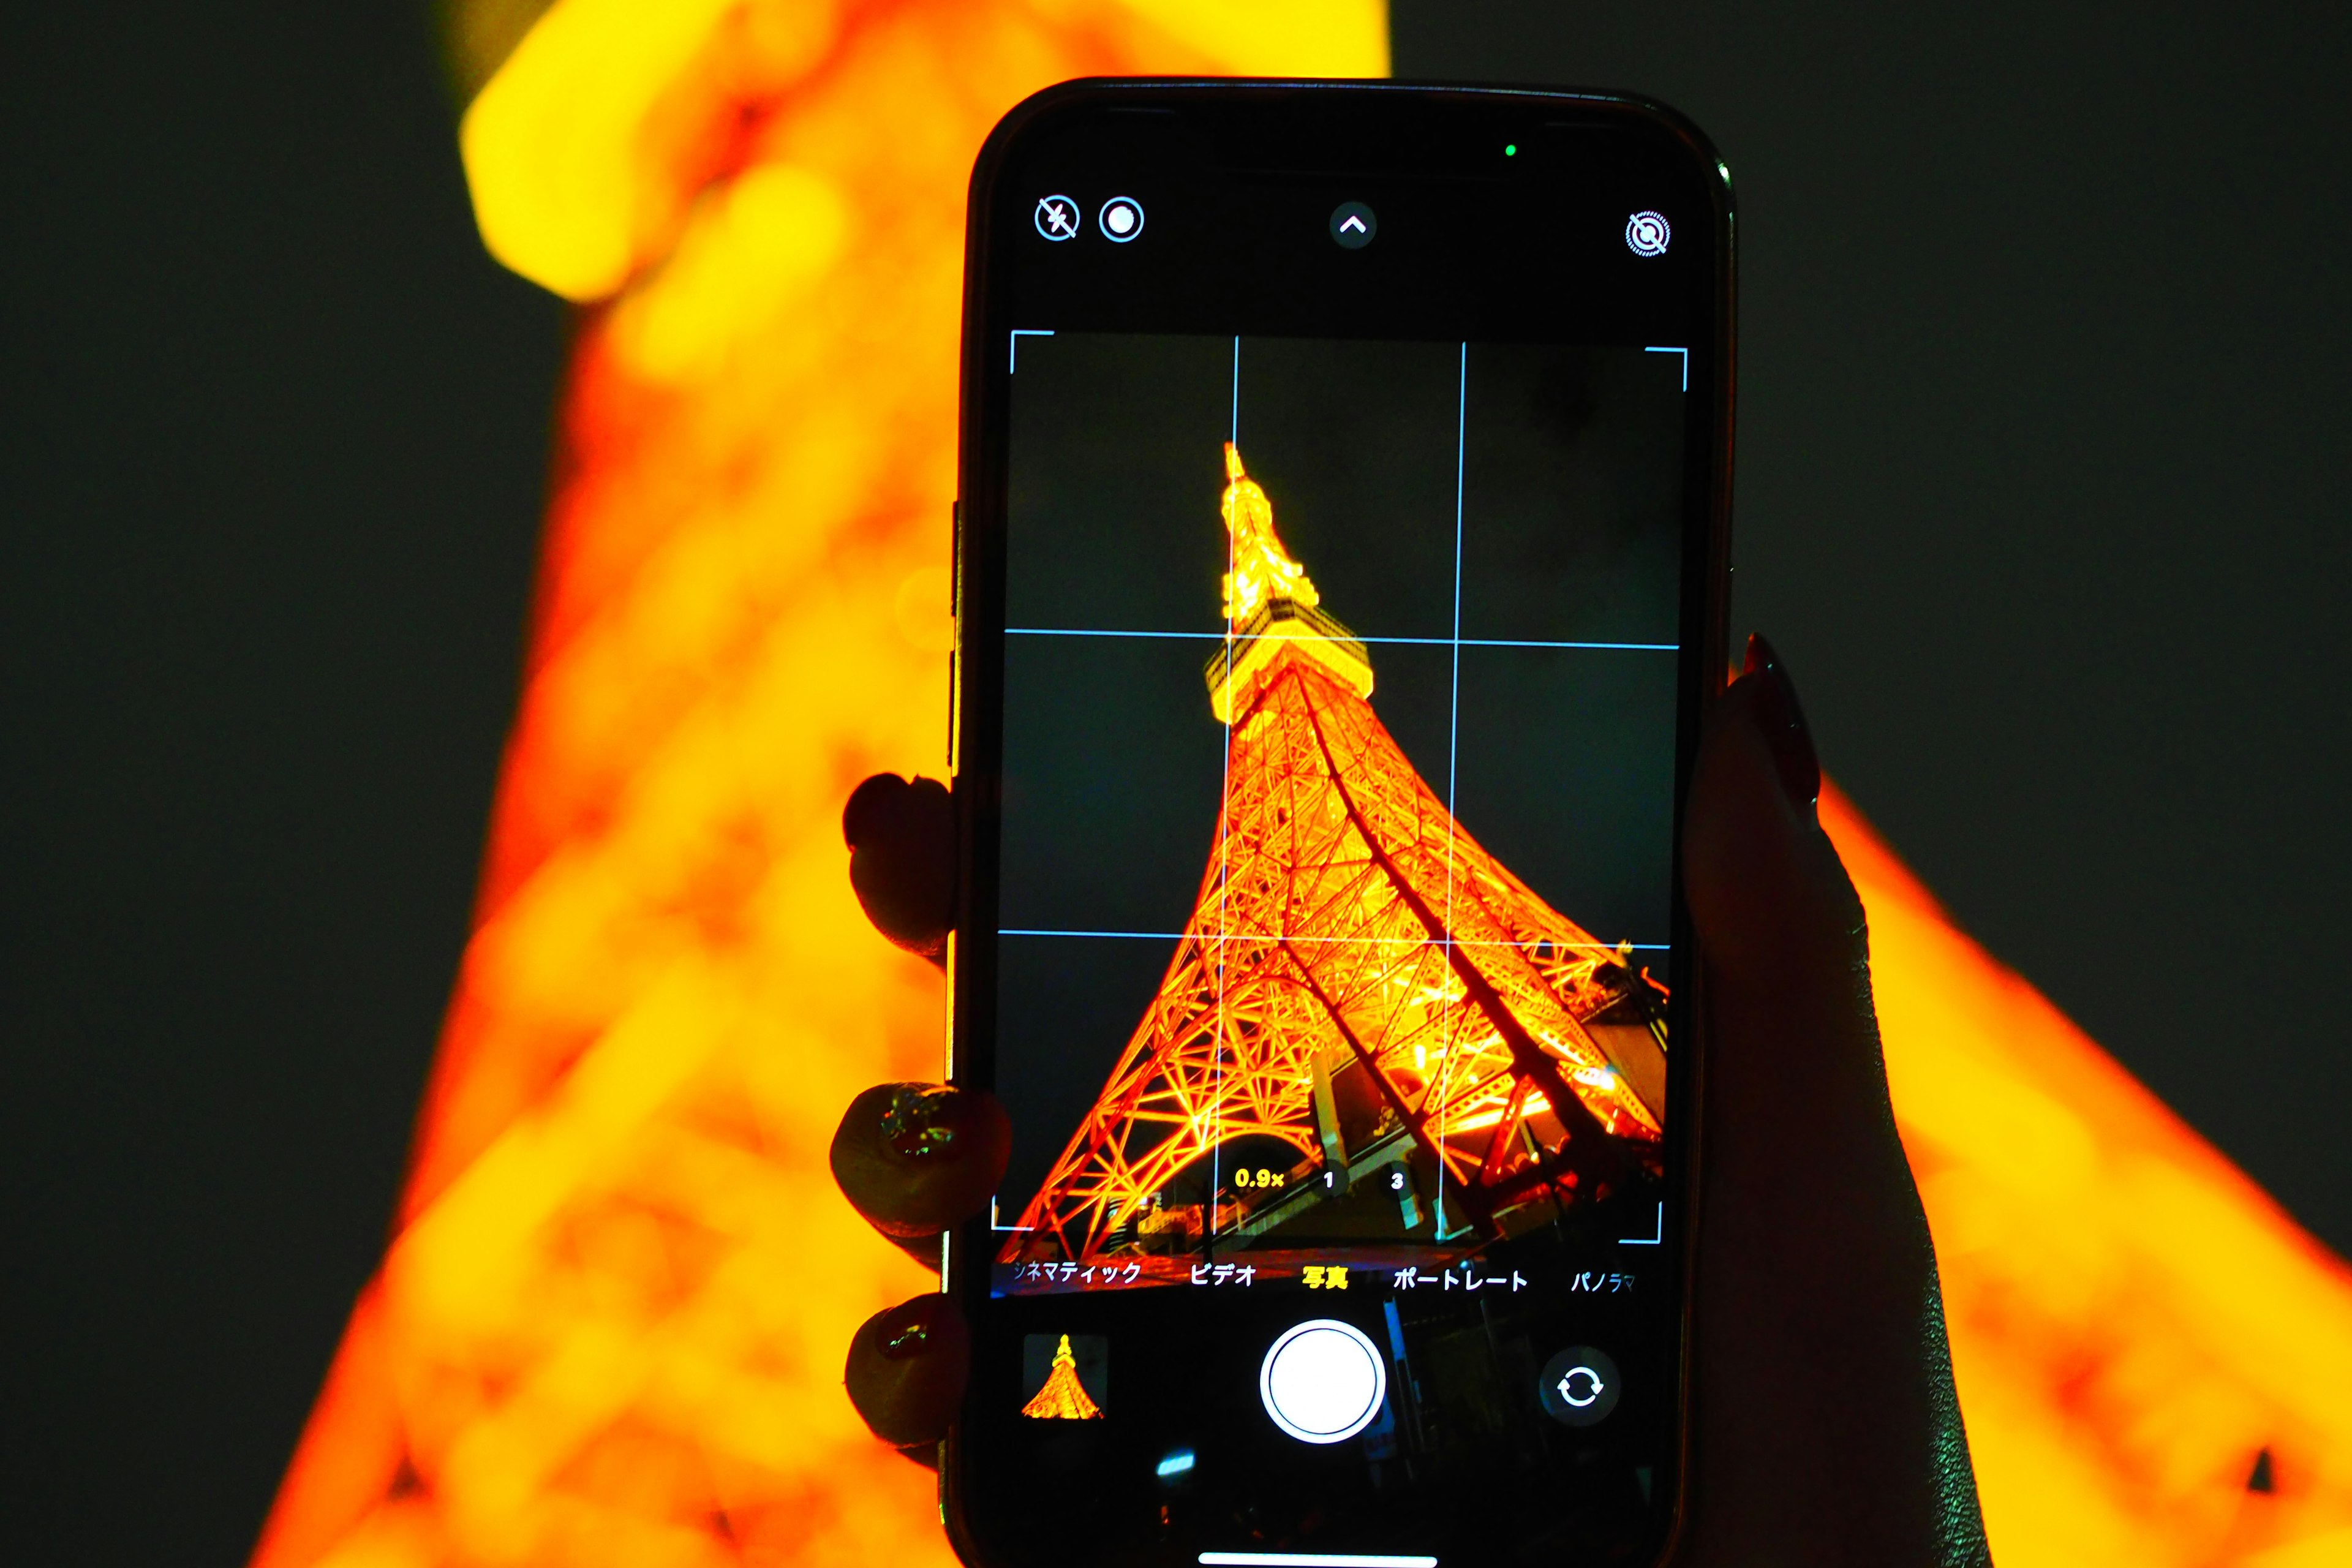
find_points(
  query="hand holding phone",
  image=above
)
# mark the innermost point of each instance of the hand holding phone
(1371, 1242)
(1824, 1428)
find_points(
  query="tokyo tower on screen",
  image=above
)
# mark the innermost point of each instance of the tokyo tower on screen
(1369, 1028)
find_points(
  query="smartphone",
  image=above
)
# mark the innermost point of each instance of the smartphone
(1341, 572)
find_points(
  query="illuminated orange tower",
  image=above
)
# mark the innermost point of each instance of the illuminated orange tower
(1063, 1397)
(1358, 979)
(608, 1330)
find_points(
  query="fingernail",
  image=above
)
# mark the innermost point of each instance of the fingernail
(1782, 719)
(927, 1122)
(908, 1338)
(867, 805)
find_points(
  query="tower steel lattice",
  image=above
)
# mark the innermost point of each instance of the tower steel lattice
(1360, 980)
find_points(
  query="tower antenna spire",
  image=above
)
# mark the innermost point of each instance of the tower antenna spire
(1262, 569)
(1271, 603)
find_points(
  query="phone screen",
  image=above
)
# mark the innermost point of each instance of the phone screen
(1332, 974)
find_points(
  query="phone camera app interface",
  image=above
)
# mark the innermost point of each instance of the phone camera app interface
(1334, 911)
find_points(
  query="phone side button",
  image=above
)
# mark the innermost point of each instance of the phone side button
(955, 618)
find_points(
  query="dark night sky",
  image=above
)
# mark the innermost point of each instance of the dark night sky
(2046, 346)
(272, 465)
(2044, 386)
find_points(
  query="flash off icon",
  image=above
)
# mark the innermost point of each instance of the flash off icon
(1057, 218)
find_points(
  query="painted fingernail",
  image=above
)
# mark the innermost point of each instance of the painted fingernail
(908, 1338)
(1782, 719)
(927, 1122)
(869, 804)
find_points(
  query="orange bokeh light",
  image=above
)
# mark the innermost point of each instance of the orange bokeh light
(2134, 1323)
(609, 1328)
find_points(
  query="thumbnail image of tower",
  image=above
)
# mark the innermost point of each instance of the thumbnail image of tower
(1372, 1032)
(1063, 1396)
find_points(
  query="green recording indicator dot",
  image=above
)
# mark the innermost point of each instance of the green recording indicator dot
(1510, 148)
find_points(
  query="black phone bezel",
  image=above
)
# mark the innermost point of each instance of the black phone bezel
(1289, 107)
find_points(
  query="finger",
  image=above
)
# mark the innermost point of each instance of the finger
(907, 1371)
(1767, 890)
(1793, 1037)
(1787, 973)
(901, 837)
(1820, 1383)
(916, 1158)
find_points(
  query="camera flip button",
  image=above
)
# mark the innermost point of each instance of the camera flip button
(1578, 1386)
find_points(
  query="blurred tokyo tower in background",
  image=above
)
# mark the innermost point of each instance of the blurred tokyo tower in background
(1358, 981)
(608, 1329)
